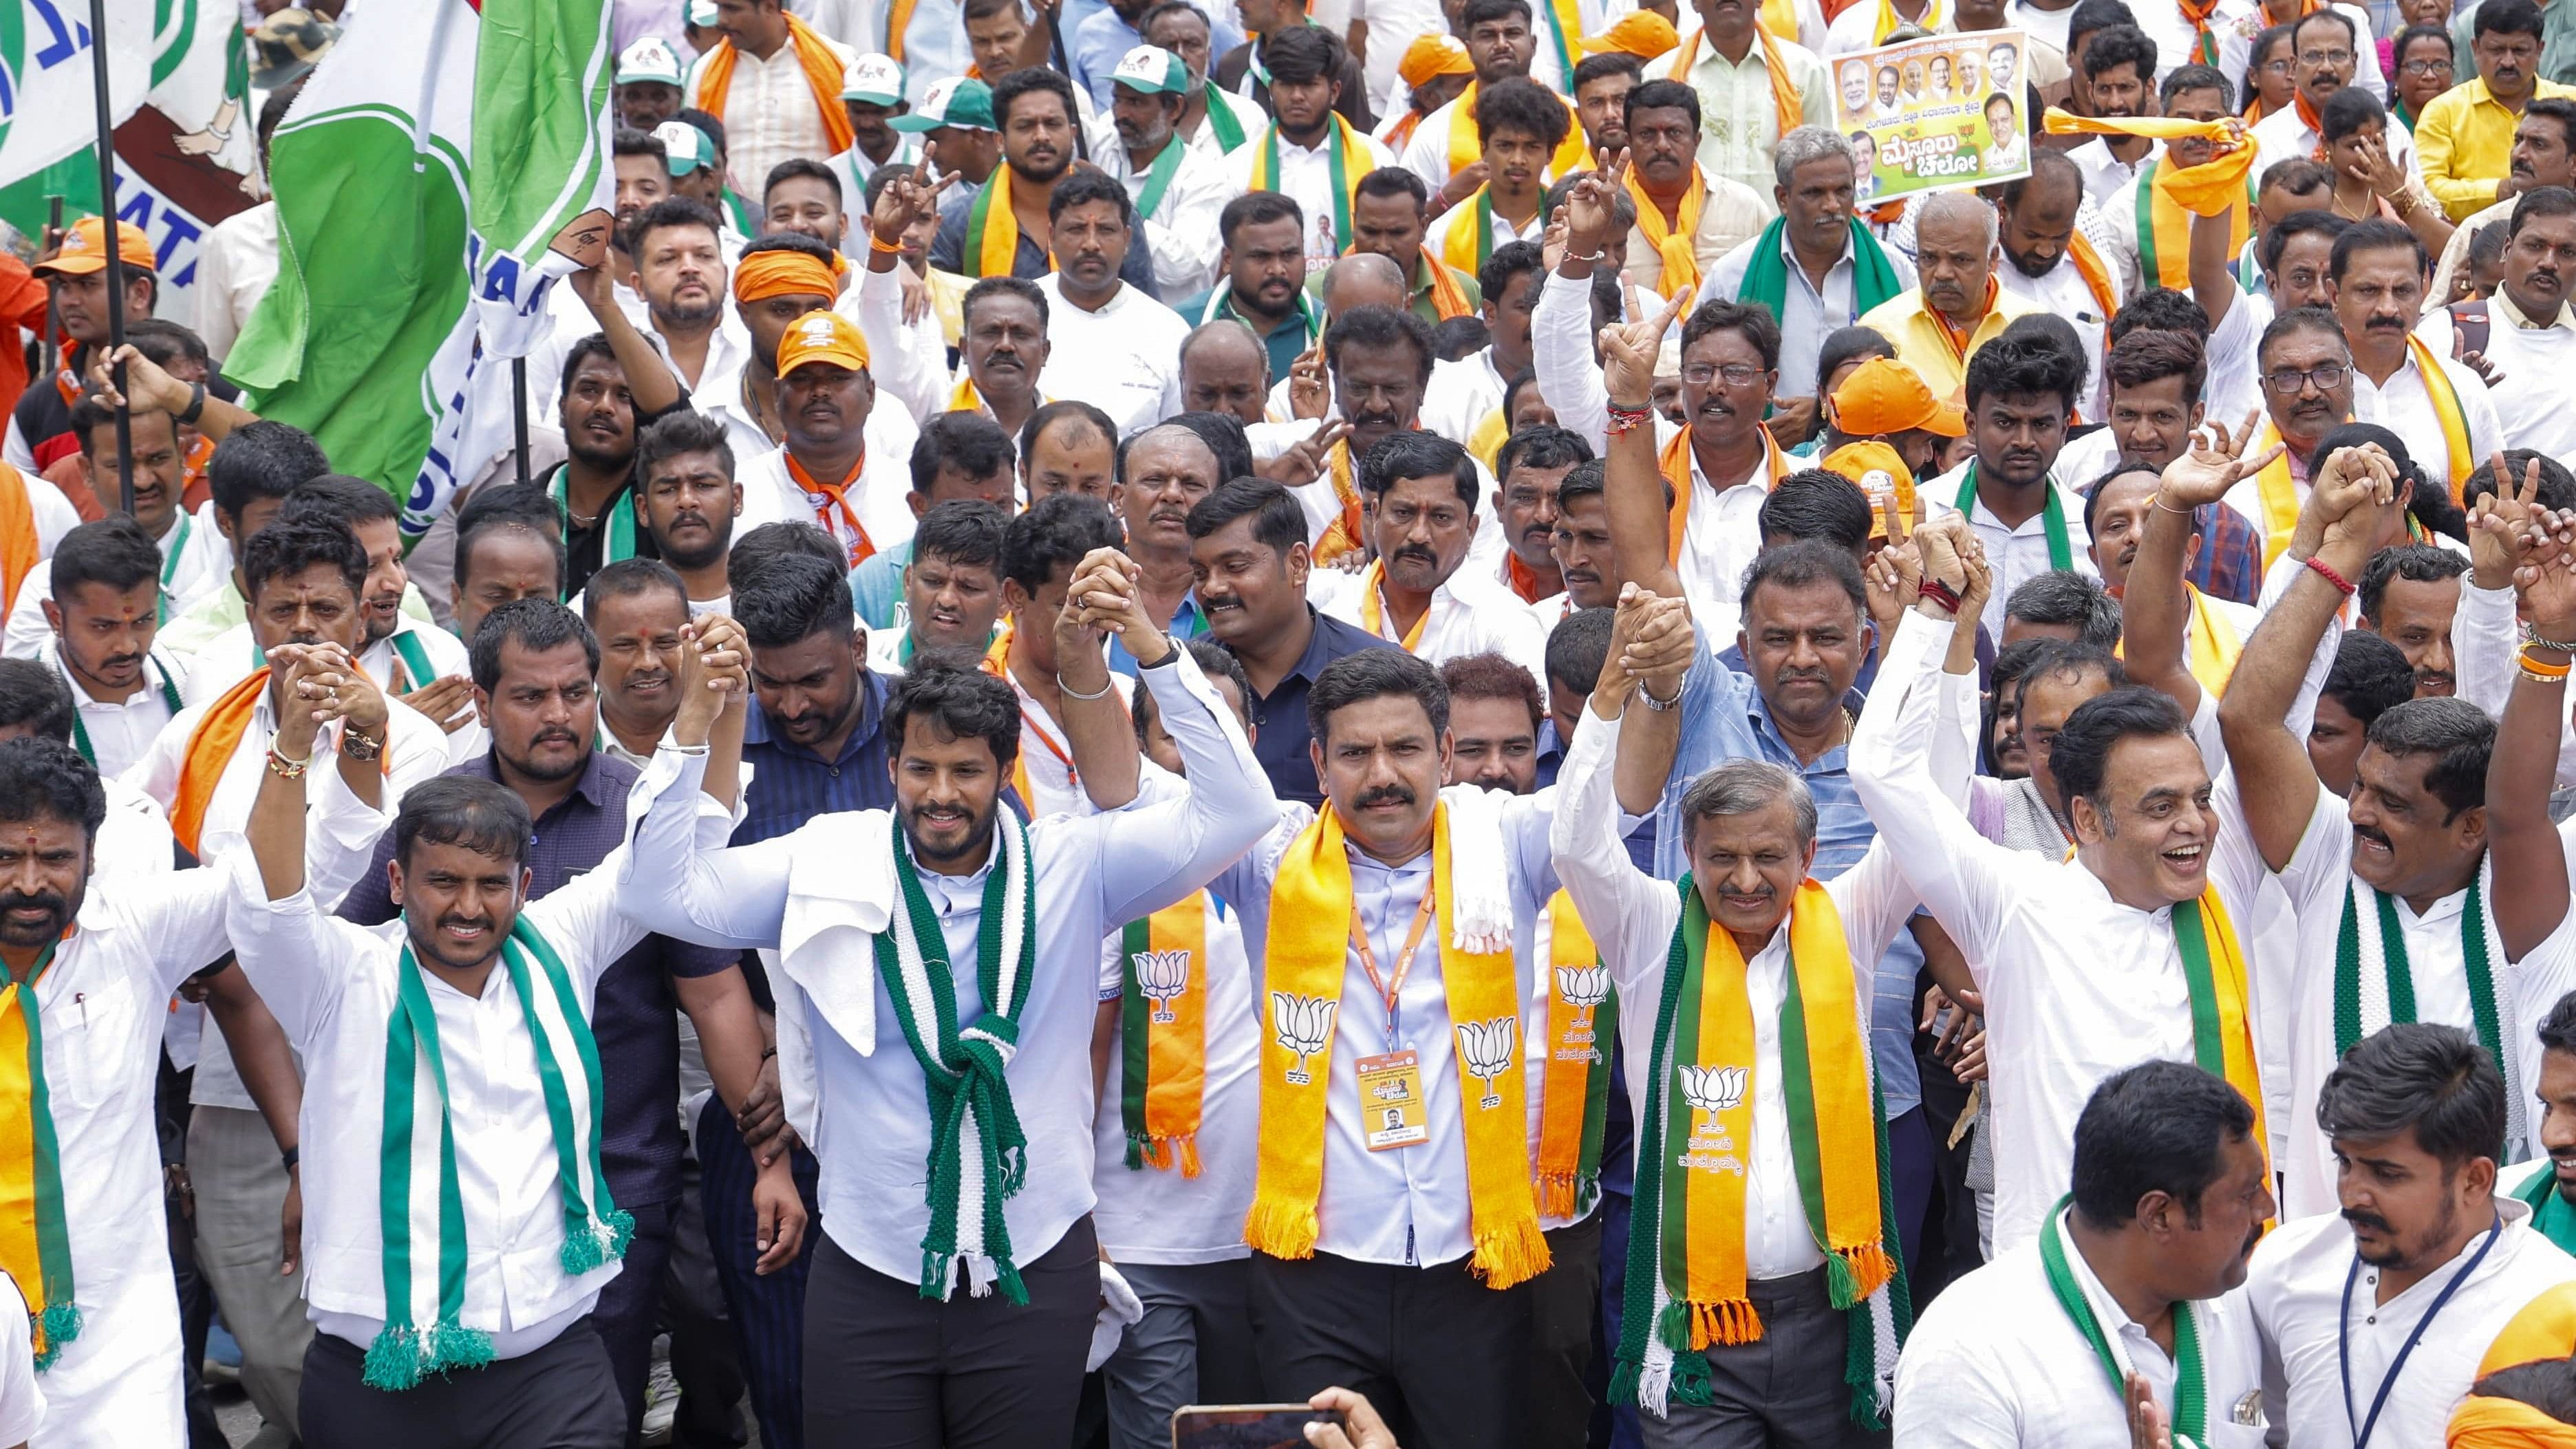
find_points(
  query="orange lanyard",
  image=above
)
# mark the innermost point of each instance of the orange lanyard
(1029, 722)
(826, 497)
(1403, 962)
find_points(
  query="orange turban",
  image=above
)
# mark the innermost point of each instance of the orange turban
(763, 275)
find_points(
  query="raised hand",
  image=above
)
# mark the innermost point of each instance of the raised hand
(2213, 464)
(1981, 576)
(1104, 595)
(347, 694)
(1943, 543)
(1628, 350)
(1591, 206)
(2544, 583)
(1463, 183)
(299, 715)
(1894, 576)
(912, 194)
(2350, 496)
(1310, 384)
(713, 670)
(147, 387)
(1304, 461)
(2499, 523)
(2148, 1428)
(1661, 644)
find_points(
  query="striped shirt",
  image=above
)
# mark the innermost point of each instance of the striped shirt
(791, 784)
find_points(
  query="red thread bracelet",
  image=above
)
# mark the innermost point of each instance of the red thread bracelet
(1940, 593)
(2326, 571)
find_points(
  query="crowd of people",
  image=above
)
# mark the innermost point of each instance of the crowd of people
(1601, 791)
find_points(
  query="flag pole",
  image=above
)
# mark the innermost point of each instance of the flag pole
(53, 308)
(519, 414)
(115, 256)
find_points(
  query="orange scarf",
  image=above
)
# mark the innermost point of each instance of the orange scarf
(1672, 240)
(822, 77)
(836, 496)
(1960, 338)
(1447, 297)
(1676, 464)
(2308, 116)
(210, 748)
(1345, 534)
(2097, 276)
(1787, 105)
(18, 547)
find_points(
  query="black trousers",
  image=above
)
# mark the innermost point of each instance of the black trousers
(1565, 1312)
(563, 1396)
(886, 1368)
(1444, 1357)
(768, 1312)
(625, 1314)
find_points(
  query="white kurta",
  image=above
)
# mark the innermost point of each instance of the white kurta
(1124, 359)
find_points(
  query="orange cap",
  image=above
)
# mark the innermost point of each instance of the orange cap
(84, 250)
(1431, 56)
(1885, 396)
(1881, 474)
(1641, 33)
(822, 337)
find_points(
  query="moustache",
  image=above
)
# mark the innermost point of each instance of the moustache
(454, 922)
(1383, 795)
(1375, 420)
(50, 901)
(686, 517)
(2373, 834)
(2387, 323)
(2370, 1220)
(555, 737)
(1416, 553)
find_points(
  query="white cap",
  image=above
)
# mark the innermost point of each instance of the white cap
(875, 79)
(702, 13)
(649, 59)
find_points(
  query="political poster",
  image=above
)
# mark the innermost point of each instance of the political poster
(1934, 114)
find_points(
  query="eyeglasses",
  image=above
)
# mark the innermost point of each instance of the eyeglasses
(2288, 381)
(2325, 57)
(2276, 67)
(2426, 67)
(1699, 374)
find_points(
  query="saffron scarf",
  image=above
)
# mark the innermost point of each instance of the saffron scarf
(35, 1239)
(827, 498)
(1687, 1287)
(1467, 141)
(422, 1210)
(1447, 297)
(993, 231)
(19, 550)
(1672, 240)
(1787, 106)
(2191, 1377)
(2214, 974)
(1574, 1086)
(2365, 1001)
(1373, 607)
(2446, 411)
(210, 748)
(2096, 274)
(822, 76)
(2052, 517)
(899, 26)
(1766, 272)
(1346, 158)
(2204, 45)
(1310, 915)
(1162, 1035)
(2486, 1423)
(1343, 534)
(978, 1154)
(1676, 466)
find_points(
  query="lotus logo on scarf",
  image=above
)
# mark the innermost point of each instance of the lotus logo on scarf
(1487, 1047)
(1163, 976)
(1583, 987)
(1303, 1024)
(1713, 1089)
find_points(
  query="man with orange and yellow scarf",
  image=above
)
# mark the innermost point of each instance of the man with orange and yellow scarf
(775, 83)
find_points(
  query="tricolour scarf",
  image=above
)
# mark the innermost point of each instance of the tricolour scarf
(210, 748)
(1672, 240)
(1162, 1034)
(1687, 1288)
(35, 1240)
(822, 76)
(993, 230)
(978, 1154)
(2164, 228)
(1766, 272)
(420, 1207)
(1470, 238)
(2445, 399)
(2365, 1001)
(2191, 1378)
(1574, 1086)
(1308, 951)
(1346, 159)
(2217, 983)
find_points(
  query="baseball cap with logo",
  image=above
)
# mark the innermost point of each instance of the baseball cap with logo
(959, 101)
(1885, 396)
(84, 250)
(1882, 475)
(648, 61)
(1152, 70)
(874, 79)
(822, 336)
(687, 147)
(1432, 56)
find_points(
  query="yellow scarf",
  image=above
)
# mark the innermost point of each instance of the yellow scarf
(1779, 17)
(1677, 471)
(2230, 991)
(2446, 411)
(1788, 107)
(1672, 240)
(822, 76)
(2213, 644)
(1373, 606)
(1582, 1024)
(1163, 1035)
(2280, 494)
(993, 229)
(2544, 1329)
(1310, 913)
(1467, 143)
(1344, 534)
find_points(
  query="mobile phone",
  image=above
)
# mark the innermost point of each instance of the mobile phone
(1246, 1426)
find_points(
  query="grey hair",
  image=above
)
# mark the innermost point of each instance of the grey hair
(1740, 787)
(1942, 204)
(1806, 145)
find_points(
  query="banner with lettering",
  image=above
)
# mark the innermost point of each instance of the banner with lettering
(1933, 114)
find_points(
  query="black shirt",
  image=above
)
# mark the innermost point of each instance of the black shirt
(1280, 715)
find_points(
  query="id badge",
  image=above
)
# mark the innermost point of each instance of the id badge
(1391, 1110)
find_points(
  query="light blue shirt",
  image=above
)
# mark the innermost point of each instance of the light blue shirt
(1097, 45)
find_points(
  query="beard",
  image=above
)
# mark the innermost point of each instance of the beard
(597, 459)
(2031, 266)
(979, 835)
(58, 908)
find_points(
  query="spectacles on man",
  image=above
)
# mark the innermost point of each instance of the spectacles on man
(2289, 380)
(1737, 374)
(2325, 57)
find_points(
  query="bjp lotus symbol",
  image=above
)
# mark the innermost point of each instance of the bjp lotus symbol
(1302, 1024)
(1583, 987)
(1488, 1047)
(1713, 1089)
(1162, 976)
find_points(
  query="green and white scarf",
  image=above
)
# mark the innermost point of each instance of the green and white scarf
(424, 1214)
(978, 1155)
(2365, 1001)
(2191, 1377)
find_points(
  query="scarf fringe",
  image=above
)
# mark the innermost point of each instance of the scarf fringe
(54, 1326)
(1159, 1153)
(1699, 1326)
(1512, 1253)
(1567, 1194)
(1860, 1374)
(601, 1242)
(401, 1357)
(1282, 1228)
(1852, 1274)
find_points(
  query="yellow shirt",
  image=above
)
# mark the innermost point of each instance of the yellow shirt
(2464, 141)
(948, 299)
(1923, 343)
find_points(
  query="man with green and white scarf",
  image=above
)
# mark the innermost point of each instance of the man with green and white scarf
(2120, 1323)
(951, 1106)
(458, 1224)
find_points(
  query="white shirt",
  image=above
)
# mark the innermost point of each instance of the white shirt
(1464, 214)
(2078, 986)
(770, 494)
(1306, 177)
(2234, 388)
(1156, 1215)
(1182, 231)
(1050, 774)
(853, 168)
(220, 665)
(1632, 916)
(1124, 359)
(2530, 404)
(2296, 1288)
(2018, 554)
(2107, 178)
(2282, 136)
(235, 264)
(770, 113)
(1739, 122)
(1996, 1360)
(2404, 406)
(119, 732)
(1468, 614)
(1813, 313)
(202, 564)
(860, 1099)
(1250, 117)
(1857, 27)
(103, 1001)
(1461, 393)
(2065, 292)
(332, 985)
(908, 361)
(53, 513)
(2232, 26)
(22, 1404)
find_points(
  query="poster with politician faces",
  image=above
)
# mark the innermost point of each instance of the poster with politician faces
(1937, 113)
